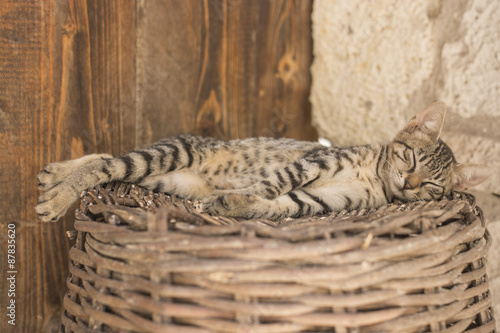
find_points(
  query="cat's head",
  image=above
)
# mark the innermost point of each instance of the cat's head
(422, 167)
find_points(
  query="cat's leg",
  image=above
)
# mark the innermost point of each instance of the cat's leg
(272, 194)
(89, 171)
(301, 173)
(295, 203)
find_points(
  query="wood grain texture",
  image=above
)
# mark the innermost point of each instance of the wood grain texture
(224, 68)
(74, 72)
(68, 85)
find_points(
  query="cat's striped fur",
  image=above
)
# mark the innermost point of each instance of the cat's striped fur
(274, 178)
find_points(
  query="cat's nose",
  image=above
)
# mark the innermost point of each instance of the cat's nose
(408, 185)
(412, 181)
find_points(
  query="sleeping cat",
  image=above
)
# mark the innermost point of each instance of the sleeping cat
(275, 178)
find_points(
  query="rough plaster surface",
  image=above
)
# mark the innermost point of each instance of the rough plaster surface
(363, 71)
(479, 150)
(470, 64)
(377, 63)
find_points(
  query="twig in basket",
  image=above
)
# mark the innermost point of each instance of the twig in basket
(135, 217)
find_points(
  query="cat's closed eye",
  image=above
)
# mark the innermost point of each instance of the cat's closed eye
(404, 158)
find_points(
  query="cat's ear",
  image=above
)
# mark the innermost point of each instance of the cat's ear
(468, 175)
(428, 122)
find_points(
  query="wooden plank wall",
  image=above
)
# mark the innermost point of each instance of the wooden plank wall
(61, 75)
(78, 77)
(232, 69)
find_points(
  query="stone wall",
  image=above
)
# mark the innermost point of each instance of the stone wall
(377, 63)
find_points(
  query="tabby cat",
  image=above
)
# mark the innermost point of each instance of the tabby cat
(275, 178)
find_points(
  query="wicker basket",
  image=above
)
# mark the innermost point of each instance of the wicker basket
(146, 262)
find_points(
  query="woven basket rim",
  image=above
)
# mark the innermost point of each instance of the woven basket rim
(149, 262)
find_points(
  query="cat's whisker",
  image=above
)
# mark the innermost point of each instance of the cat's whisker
(390, 164)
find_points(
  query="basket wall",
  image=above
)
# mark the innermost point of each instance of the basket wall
(145, 262)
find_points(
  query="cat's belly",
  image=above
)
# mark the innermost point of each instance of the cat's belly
(182, 183)
(233, 183)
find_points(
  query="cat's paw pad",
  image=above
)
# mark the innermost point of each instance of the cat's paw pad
(230, 204)
(54, 203)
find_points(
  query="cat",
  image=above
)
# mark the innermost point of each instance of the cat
(275, 178)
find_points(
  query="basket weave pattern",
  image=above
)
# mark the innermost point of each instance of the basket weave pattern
(146, 262)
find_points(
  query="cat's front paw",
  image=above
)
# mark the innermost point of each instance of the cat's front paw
(52, 175)
(55, 173)
(53, 204)
(229, 204)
